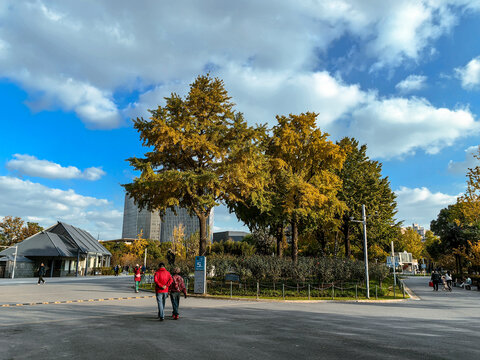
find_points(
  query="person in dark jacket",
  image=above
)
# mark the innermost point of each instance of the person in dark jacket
(41, 274)
(436, 279)
(163, 279)
(176, 288)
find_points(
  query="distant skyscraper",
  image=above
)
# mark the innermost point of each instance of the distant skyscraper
(153, 228)
(136, 221)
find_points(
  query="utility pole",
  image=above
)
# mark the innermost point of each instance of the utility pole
(14, 262)
(393, 265)
(365, 249)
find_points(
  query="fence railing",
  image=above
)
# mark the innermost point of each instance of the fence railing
(292, 290)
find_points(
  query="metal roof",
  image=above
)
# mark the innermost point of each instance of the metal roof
(12, 258)
(62, 240)
(82, 238)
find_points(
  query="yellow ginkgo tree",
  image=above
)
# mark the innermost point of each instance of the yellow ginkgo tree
(200, 152)
(305, 166)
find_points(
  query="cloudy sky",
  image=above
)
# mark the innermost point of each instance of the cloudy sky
(401, 76)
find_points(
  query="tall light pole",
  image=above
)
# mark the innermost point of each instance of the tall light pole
(14, 262)
(365, 250)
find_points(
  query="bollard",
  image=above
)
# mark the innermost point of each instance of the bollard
(403, 290)
(231, 289)
(333, 292)
(258, 289)
(308, 291)
(356, 292)
(376, 292)
(394, 292)
(187, 284)
(283, 291)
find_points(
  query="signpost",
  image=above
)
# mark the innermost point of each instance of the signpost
(394, 274)
(200, 275)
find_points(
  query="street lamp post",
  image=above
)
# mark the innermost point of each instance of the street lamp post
(365, 250)
(14, 262)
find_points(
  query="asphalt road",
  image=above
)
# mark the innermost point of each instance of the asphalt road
(439, 326)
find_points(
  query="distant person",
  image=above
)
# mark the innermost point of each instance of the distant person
(467, 283)
(170, 257)
(41, 274)
(137, 276)
(176, 288)
(448, 279)
(435, 279)
(116, 269)
(163, 279)
(144, 268)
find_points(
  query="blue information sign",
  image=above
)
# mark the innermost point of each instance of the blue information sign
(200, 263)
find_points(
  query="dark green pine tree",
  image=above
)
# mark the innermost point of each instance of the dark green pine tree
(363, 183)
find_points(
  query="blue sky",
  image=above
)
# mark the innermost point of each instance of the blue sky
(401, 76)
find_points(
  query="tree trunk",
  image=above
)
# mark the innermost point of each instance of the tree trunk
(294, 240)
(279, 236)
(322, 240)
(346, 238)
(203, 235)
(335, 249)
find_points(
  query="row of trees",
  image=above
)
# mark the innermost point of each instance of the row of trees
(286, 180)
(457, 245)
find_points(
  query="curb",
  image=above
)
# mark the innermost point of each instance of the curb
(212, 297)
(411, 293)
(77, 301)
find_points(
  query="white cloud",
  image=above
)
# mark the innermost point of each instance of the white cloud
(225, 221)
(470, 74)
(391, 127)
(420, 205)
(411, 83)
(36, 202)
(399, 126)
(31, 166)
(76, 56)
(261, 95)
(461, 167)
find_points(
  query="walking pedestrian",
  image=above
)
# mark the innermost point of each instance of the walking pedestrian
(41, 274)
(137, 276)
(163, 279)
(176, 288)
(116, 269)
(435, 279)
(448, 278)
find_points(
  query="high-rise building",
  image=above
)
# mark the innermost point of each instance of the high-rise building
(135, 221)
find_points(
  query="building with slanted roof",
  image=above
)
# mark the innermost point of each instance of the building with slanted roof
(64, 249)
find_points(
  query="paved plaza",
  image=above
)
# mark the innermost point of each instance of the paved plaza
(438, 326)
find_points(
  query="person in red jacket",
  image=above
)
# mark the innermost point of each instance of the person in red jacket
(176, 288)
(163, 279)
(137, 276)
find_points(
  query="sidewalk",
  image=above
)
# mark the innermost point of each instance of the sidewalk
(55, 280)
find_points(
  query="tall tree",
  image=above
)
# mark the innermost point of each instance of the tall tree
(12, 230)
(454, 231)
(306, 163)
(469, 203)
(363, 184)
(31, 229)
(410, 241)
(201, 152)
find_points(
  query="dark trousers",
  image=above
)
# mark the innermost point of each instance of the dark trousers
(40, 278)
(449, 284)
(435, 285)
